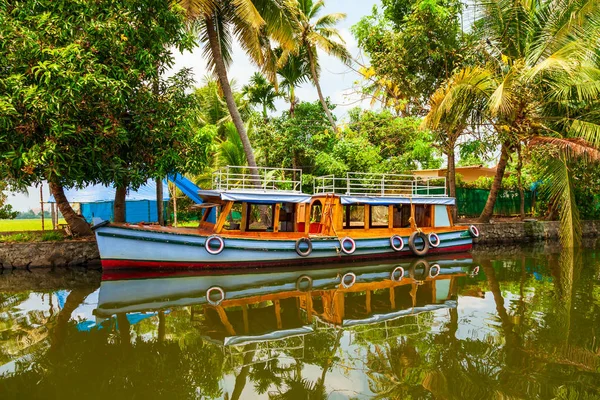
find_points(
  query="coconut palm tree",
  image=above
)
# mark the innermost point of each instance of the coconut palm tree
(541, 66)
(251, 22)
(260, 91)
(294, 71)
(319, 33)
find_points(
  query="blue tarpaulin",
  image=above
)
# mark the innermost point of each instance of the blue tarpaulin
(97, 202)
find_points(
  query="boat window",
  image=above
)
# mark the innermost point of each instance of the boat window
(402, 216)
(423, 215)
(260, 217)
(379, 216)
(234, 219)
(287, 217)
(354, 216)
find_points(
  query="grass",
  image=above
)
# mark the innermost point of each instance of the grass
(19, 225)
(28, 237)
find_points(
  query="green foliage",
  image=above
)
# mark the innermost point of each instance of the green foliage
(403, 146)
(6, 211)
(295, 140)
(259, 91)
(82, 95)
(212, 108)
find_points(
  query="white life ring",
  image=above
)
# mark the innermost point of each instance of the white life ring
(434, 239)
(474, 231)
(352, 280)
(393, 274)
(213, 251)
(215, 302)
(352, 248)
(434, 270)
(394, 239)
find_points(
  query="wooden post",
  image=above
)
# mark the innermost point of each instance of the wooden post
(276, 217)
(174, 195)
(42, 203)
(160, 207)
(54, 216)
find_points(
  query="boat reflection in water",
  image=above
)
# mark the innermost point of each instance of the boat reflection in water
(237, 309)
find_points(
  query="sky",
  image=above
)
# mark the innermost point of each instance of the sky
(337, 79)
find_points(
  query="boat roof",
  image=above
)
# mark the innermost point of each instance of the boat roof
(258, 196)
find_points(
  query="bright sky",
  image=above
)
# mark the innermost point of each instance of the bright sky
(336, 79)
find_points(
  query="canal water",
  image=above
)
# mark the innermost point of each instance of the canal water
(500, 323)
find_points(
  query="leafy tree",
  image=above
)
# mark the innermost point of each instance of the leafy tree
(319, 33)
(403, 146)
(541, 66)
(413, 46)
(81, 97)
(295, 140)
(260, 91)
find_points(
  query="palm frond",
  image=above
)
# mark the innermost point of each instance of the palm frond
(195, 9)
(570, 147)
(329, 20)
(559, 188)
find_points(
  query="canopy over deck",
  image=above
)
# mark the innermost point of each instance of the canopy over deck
(386, 200)
(266, 197)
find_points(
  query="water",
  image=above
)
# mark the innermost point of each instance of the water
(500, 323)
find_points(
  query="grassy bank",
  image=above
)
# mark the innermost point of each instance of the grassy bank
(18, 225)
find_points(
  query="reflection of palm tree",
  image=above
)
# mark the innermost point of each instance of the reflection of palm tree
(240, 379)
(74, 300)
(298, 387)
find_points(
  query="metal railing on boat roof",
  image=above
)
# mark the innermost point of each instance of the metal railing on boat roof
(261, 179)
(371, 184)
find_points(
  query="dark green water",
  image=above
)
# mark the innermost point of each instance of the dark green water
(501, 323)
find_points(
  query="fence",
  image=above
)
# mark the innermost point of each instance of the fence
(471, 202)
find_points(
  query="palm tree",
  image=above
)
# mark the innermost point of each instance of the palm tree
(231, 150)
(319, 33)
(261, 91)
(212, 105)
(541, 67)
(248, 21)
(294, 72)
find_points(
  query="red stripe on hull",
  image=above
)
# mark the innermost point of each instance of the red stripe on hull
(123, 264)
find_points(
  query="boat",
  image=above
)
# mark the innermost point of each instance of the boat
(241, 307)
(257, 217)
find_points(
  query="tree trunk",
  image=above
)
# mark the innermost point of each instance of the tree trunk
(240, 380)
(451, 177)
(292, 101)
(313, 70)
(227, 92)
(119, 204)
(74, 300)
(488, 210)
(520, 183)
(160, 205)
(77, 223)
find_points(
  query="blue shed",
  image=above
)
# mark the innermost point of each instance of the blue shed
(96, 201)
